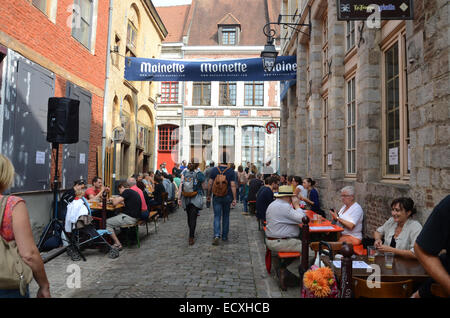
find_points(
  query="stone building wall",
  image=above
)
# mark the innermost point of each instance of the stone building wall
(427, 64)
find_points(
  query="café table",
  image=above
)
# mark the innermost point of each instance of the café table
(402, 268)
(322, 225)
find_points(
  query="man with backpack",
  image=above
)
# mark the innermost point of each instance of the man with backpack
(223, 186)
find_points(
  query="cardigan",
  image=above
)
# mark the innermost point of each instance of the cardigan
(406, 238)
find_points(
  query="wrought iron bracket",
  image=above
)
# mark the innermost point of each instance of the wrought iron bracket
(270, 33)
(361, 38)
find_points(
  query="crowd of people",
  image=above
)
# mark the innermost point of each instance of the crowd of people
(279, 201)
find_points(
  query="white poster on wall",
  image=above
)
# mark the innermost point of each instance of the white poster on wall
(40, 157)
(330, 159)
(393, 156)
(82, 158)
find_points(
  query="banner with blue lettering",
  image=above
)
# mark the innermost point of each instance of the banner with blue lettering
(145, 69)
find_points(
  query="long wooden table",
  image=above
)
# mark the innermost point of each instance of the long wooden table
(98, 206)
(402, 269)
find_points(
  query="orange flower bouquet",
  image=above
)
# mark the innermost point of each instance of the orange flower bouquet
(319, 282)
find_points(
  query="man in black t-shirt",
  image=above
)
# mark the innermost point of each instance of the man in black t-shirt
(435, 237)
(253, 188)
(131, 212)
(265, 197)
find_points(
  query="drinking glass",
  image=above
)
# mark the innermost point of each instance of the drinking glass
(371, 252)
(388, 259)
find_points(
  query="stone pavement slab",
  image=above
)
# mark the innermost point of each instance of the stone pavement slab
(165, 266)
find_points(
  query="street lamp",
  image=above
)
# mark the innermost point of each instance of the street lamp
(269, 55)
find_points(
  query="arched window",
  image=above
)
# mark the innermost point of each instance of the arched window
(253, 145)
(201, 143)
(132, 32)
(226, 142)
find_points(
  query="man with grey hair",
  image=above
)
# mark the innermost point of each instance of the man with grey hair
(350, 217)
(132, 184)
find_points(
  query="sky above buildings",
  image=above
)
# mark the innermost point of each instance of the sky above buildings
(166, 3)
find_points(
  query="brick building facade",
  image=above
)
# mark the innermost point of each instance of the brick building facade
(232, 115)
(48, 49)
(370, 108)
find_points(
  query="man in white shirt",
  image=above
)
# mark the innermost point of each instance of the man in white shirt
(282, 229)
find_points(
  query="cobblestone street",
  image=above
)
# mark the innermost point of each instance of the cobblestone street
(166, 266)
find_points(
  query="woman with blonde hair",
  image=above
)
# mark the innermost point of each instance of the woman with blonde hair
(15, 226)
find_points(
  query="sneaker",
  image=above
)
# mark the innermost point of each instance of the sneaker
(215, 241)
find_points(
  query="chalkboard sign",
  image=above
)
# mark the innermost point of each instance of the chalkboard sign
(389, 10)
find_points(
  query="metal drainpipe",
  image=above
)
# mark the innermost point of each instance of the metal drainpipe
(181, 133)
(105, 97)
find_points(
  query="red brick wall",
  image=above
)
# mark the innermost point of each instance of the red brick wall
(22, 21)
(25, 23)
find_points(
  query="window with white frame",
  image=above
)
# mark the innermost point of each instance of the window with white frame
(229, 35)
(83, 12)
(131, 39)
(350, 128)
(227, 93)
(350, 35)
(253, 138)
(325, 45)
(226, 142)
(325, 134)
(201, 143)
(202, 94)
(395, 110)
(254, 94)
(41, 5)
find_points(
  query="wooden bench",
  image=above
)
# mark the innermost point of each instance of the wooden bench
(283, 256)
(162, 207)
(153, 217)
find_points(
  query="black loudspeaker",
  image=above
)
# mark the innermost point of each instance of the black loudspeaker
(62, 120)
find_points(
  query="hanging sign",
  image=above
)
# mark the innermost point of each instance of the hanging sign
(389, 10)
(143, 69)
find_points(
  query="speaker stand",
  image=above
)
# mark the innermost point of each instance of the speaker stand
(54, 219)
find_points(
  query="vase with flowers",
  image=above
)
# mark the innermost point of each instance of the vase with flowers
(319, 282)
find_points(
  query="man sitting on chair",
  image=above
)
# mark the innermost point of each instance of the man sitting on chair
(283, 217)
(131, 212)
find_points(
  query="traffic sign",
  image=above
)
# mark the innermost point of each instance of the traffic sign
(270, 127)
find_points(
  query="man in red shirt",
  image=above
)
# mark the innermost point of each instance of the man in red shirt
(95, 192)
(132, 184)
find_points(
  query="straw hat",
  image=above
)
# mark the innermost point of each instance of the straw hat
(284, 191)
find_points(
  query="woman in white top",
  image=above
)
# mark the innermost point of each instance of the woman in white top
(350, 217)
(299, 191)
(400, 231)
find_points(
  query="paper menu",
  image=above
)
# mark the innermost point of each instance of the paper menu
(355, 264)
(317, 228)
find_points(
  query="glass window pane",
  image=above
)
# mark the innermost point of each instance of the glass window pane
(86, 9)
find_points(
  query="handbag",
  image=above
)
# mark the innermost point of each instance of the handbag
(14, 273)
